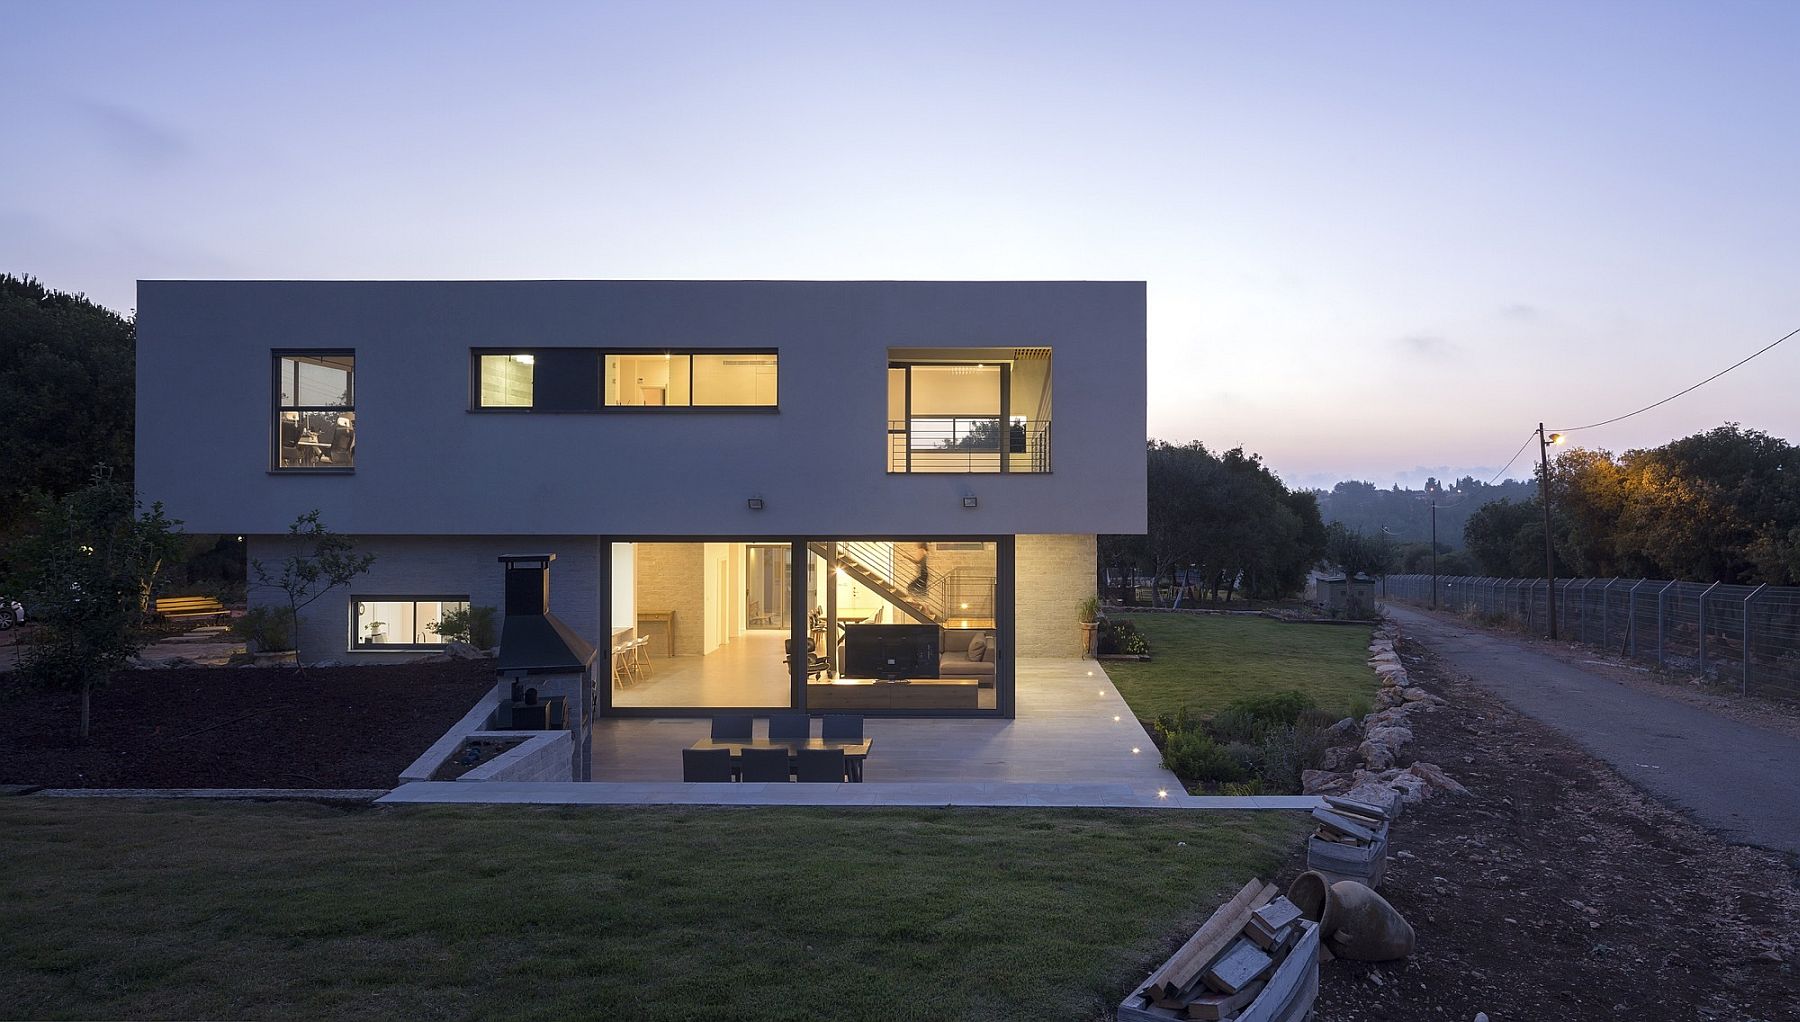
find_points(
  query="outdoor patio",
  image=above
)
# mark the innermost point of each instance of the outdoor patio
(1072, 727)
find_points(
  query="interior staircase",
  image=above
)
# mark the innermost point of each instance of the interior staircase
(891, 572)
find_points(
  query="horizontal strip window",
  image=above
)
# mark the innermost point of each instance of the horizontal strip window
(694, 379)
(403, 622)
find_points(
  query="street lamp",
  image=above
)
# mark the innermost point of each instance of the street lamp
(1544, 442)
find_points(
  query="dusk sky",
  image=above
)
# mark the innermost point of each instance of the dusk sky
(1381, 239)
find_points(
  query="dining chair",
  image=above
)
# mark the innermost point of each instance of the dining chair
(731, 727)
(821, 766)
(706, 765)
(842, 727)
(764, 764)
(789, 727)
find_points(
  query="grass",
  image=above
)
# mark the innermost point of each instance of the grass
(206, 910)
(1203, 662)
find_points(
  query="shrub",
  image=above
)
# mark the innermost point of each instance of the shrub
(1250, 787)
(1315, 717)
(1232, 725)
(266, 629)
(1246, 755)
(1272, 708)
(1286, 751)
(1358, 709)
(474, 625)
(1122, 637)
(1195, 757)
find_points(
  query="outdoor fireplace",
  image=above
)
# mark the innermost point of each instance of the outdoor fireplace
(545, 671)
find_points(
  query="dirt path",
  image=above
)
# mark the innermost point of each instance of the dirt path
(1735, 777)
(1558, 890)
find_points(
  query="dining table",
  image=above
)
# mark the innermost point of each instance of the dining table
(856, 751)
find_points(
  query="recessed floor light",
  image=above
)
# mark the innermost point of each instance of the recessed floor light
(1134, 750)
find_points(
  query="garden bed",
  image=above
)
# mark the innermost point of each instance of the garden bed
(215, 727)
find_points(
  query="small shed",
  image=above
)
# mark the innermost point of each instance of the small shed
(1351, 597)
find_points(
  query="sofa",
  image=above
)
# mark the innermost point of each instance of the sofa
(953, 656)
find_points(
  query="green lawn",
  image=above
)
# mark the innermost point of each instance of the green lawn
(1203, 662)
(205, 910)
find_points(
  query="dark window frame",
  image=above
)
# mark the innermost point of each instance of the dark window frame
(475, 404)
(279, 409)
(358, 646)
(690, 408)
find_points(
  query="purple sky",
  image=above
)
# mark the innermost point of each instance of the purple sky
(1381, 239)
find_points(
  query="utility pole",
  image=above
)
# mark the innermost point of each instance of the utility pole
(1544, 442)
(1434, 549)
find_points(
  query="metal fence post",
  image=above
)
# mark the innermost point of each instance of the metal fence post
(1631, 616)
(1605, 611)
(1703, 597)
(1744, 683)
(1661, 620)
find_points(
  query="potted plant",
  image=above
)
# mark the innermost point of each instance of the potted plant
(1090, 625)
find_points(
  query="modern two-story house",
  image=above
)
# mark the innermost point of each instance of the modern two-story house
(761, 495)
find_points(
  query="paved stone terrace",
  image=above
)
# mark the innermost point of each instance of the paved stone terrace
(1074, 743)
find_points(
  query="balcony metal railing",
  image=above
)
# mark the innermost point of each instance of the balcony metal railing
(968, 444)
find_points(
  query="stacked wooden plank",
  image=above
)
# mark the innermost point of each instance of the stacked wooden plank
(1350, 841)
(1253, 960)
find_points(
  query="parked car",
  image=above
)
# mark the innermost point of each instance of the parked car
(12, 612)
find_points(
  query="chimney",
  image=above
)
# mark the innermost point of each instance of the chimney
(527, 583)
(532, 639)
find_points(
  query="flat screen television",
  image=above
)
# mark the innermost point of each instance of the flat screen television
(890, 652)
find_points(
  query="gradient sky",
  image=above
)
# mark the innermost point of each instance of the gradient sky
(1381, 239)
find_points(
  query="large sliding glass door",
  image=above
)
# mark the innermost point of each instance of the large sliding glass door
(903, 626)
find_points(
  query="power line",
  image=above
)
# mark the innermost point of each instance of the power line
(1515, 457)
(1671, 397)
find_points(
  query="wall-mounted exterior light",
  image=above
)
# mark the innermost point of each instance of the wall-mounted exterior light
(969, 500)
(756, 503)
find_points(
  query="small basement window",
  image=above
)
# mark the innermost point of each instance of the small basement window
(401, 622)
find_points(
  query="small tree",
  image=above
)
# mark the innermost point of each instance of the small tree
(318, 561)
(88, 569)
(474, 625)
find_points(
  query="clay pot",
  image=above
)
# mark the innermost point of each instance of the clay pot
(1354, 921)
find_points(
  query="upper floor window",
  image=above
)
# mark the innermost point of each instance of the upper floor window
(315, 409)
(693, 379)
(504, 380)
(968, 410)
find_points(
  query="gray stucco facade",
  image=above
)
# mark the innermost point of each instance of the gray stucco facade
(439, 490)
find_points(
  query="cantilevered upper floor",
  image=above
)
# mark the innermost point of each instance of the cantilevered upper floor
(645, 407)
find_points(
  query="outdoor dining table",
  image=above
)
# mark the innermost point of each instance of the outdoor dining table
(855, 752)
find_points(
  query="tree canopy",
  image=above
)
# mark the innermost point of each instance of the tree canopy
(1718, 506)
(1226, 520)
(66, 383)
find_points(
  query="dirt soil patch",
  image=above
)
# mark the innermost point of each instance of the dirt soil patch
(1558, 890)
(218, 727)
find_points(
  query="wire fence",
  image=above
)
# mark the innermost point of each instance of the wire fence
(1744, 636)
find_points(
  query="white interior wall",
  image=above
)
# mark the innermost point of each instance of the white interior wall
(624, 585)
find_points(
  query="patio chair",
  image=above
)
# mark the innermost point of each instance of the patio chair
(821, 766)
(842, 727)
(789, 727)
(706, 765)
(765, 765)
(731, 727)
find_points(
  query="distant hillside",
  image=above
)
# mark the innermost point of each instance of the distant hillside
(1367, 508)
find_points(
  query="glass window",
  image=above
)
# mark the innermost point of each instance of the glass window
(691, 380)
(506, 380)
(734, 380)
(315, 414)
(906, 625)
(987, 412)
(404, 622)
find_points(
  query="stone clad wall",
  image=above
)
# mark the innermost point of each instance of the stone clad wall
(1053, 575)
(671, 576)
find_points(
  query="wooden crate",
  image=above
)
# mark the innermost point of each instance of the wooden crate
(1362, 863)
(1287, 995)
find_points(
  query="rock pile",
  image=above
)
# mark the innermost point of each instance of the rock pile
(1381, 779)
